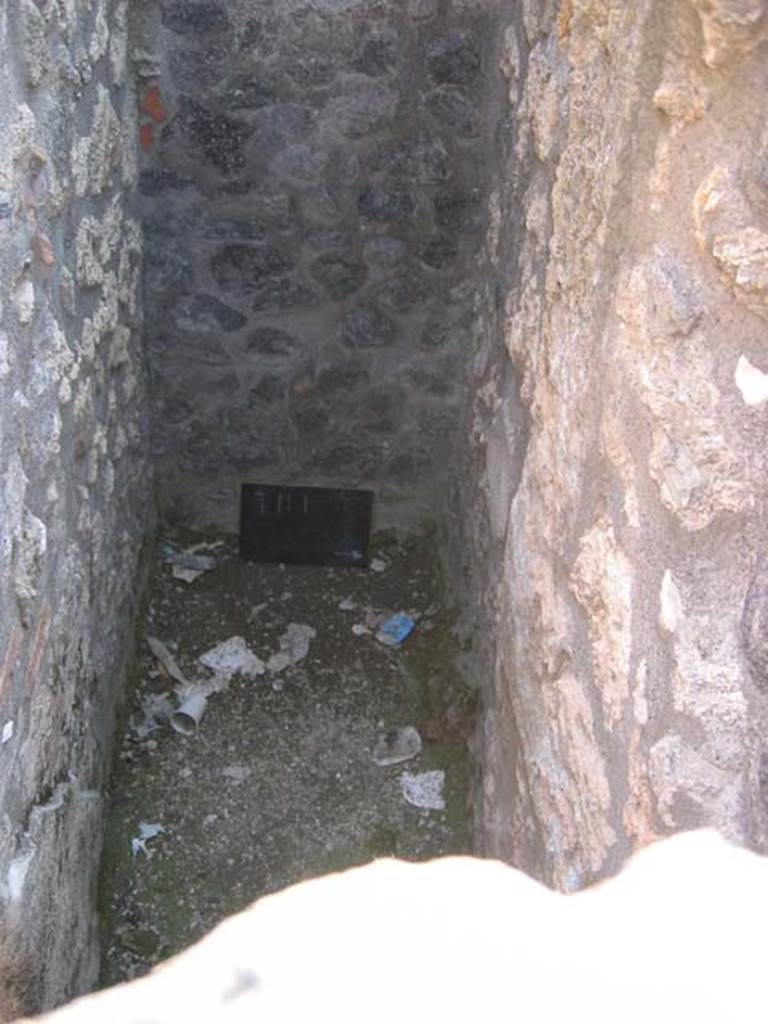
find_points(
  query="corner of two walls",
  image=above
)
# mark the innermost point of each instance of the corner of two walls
(626, 695)
(74, 473)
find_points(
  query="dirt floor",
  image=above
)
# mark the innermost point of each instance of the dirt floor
(279, 782)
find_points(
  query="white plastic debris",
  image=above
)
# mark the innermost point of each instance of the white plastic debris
(147, 830)
(189, 558)
(231, 657)
(156, 709)
(396, 746)
(360, 630)
(294, 646)
(424, 789)
(347, 605)
(7, 732)
(186, 575)
(166, 659)
(186, 718)
(193, 699)
(378, 565)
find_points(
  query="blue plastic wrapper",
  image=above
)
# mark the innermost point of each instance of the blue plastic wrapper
(395, 630)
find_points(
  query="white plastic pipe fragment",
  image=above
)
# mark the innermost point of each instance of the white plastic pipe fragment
(186, 718)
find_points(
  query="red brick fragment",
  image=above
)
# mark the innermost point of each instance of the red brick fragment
(152, 104)
(146, 136)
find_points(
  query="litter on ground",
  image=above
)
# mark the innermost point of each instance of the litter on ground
(186, 718)
(147, 830)
(285, 776)
(395, 630)
(424, 789)
(233, 657)
(156, 709)
(396, 746)
(188, 565)
(186, 575)
(166, 659)
(294, 647)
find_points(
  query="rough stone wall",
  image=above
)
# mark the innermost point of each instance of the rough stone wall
(629, 611)
(74, 476)
(313, 196)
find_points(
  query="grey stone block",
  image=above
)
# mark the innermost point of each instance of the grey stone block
(155, 181)
(386, 251)
(408, 466)
(193, 17)
(440, 251)
(459, 211)
(310, 417)
(270, 389)
(454, 59)
(272, 341)
(279, 125)
(342, 378)
(377, 54)
(368, 110)
(219, 138)
(451, 110)
(279, 293)
(239, 269)
(247, 93)
(206, 313)
(366, 326)
(340, 276)
(423, 160)
(348, 460)
(384, 204)
(199, 71)
(403, 291)
(332, 243)
(167, 266)
(303, 163)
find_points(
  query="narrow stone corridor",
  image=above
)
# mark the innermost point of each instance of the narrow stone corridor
(280, 783)
(500, 264)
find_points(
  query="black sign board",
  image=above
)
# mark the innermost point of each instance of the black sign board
(305, 525)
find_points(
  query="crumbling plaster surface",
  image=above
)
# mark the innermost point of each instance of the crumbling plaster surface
(629, 665)
(74, 475)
